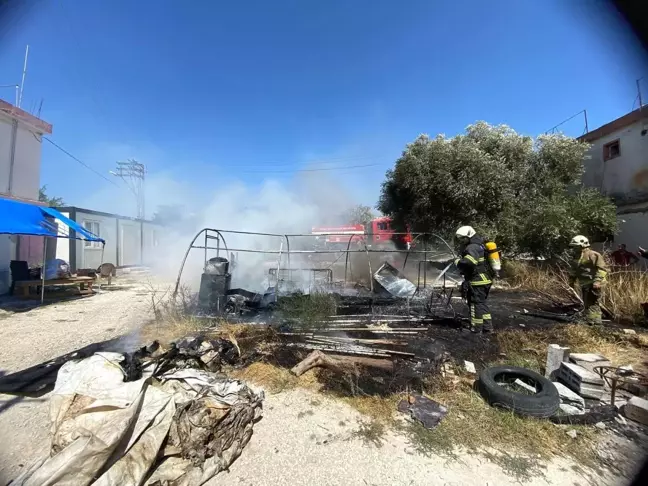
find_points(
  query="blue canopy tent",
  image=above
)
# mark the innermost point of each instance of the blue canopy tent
(22, 218)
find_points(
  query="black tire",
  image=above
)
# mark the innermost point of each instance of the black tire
(543, 404)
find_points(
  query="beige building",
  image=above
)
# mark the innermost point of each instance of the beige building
(618, 166)
(20, 165)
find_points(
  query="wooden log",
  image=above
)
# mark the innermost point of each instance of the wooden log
(339, 364)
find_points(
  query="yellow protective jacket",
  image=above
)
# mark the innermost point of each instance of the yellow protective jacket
(590, 267)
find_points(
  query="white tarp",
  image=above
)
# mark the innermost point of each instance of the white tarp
(107, 432)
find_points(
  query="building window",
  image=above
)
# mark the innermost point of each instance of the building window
(611, 150)
(94, 228)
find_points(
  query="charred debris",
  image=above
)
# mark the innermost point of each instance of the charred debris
(387, 319)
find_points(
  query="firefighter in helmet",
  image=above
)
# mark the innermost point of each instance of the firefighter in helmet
(477, 275)
(589, 270)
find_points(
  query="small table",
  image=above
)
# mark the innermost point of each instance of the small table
(84, 283)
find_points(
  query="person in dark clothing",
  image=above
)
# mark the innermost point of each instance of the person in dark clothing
(621, 257)
(476, 272)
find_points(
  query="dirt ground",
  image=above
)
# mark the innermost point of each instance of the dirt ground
(303, 438)
(31, 335)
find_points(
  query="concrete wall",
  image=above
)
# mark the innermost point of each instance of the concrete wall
(624, 178)
(23, 182)
(26, 159)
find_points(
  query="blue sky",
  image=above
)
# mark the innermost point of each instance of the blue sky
(208, 92)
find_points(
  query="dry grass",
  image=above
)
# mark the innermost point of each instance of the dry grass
(378, 408)
(270, 377)
(529, 348)
(167, 331)
(310, 310)
(473, 425)
(623, 294)
(550, 282)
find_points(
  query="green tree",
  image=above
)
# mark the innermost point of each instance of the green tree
(524, 192)
(50, 201)
(358, 215)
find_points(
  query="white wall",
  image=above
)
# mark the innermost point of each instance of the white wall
(27, 159)
(25, 181)
(130, 247)
(89, 253)
(625, 178)
(63, 244)
(27, 165)
(152, 234)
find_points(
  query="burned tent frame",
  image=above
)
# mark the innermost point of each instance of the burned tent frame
(210, 234)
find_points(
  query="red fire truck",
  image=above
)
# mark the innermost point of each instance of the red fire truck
(378, 232)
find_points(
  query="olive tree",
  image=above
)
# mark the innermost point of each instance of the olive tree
(525, 192)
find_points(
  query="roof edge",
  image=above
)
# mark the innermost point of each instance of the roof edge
(615, 125)
(40, 126)
(67, 209)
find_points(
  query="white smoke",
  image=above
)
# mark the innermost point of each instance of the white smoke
(273, 207)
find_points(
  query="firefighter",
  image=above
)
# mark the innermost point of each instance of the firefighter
(476, 272)
(590, 272)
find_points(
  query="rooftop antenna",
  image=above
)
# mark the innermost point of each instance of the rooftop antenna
(639, 92)
(22, 82)
(40, 107)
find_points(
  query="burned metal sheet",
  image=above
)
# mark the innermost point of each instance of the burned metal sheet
(394, 282)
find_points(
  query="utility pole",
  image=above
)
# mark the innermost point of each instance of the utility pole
(133, 174)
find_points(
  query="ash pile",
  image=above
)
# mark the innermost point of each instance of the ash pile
(153, 417)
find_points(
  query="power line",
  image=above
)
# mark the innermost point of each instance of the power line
(81, 162)
(306, 162)
(303, 170)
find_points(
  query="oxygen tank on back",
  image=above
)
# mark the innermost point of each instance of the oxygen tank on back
(493, 257)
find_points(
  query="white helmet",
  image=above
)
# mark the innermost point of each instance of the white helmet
(579, 240)
(465, 232)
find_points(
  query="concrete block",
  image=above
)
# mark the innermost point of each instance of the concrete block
(555, 355)
(637, 409)
(569, 397)
(589, 360)
(570, 409)
(470, 367)
(580, 380)
(588, 391)
(581, 374)
(526, 386)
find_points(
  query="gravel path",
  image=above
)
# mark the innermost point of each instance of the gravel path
(43, 333)
(305, 438)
